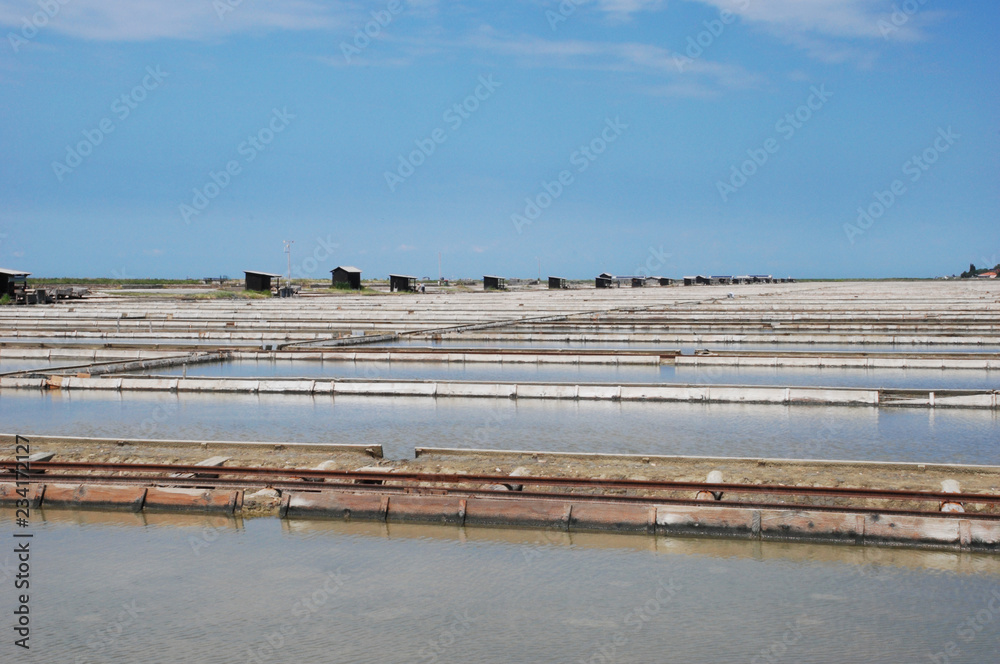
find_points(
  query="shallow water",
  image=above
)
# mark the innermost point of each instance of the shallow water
(147, 588)
(564, 373)
(7, 365)
(400, 423)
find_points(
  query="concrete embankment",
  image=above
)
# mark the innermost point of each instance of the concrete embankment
(59, 442)
(859, 338)
(469, 357)
(664, 520)
(505, 390)
(404, 500)
(702, 358)
(971, 361)
(554, 514)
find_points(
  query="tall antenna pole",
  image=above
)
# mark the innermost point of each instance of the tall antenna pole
(288, 252)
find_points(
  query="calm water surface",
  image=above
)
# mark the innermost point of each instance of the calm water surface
(909, 378)
(222, 591)
(7, 365)
(400, 423)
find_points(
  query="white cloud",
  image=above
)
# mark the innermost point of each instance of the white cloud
(142, 20)
(623, 9)
(838, 18)
(617, 56)
(830, 30)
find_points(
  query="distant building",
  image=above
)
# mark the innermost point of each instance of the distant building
(259, 281)
(604, 282)
(664, 281)
(491, 282)
(556, 283)
(618, 281)
(402, 283)
(346, 274)
(702, 280)
(987, 275)
(638, 282)
(723, 280)
(12, 280)
(761, 278)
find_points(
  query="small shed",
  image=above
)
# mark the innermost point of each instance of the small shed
(604, 282)
(724, 280)
(690, 281)
(259, 281)
(402, 283)
(665, 281)
(742, 279)
(491, 282)
(703, 280)
(638, 282)
(761, 278)
(11, 280)
(346, 274)
(557, 283)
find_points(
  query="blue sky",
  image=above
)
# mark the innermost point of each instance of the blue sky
(191, 137)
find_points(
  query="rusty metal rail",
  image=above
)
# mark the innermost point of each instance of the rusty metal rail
(447, 484)
(315, 487)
